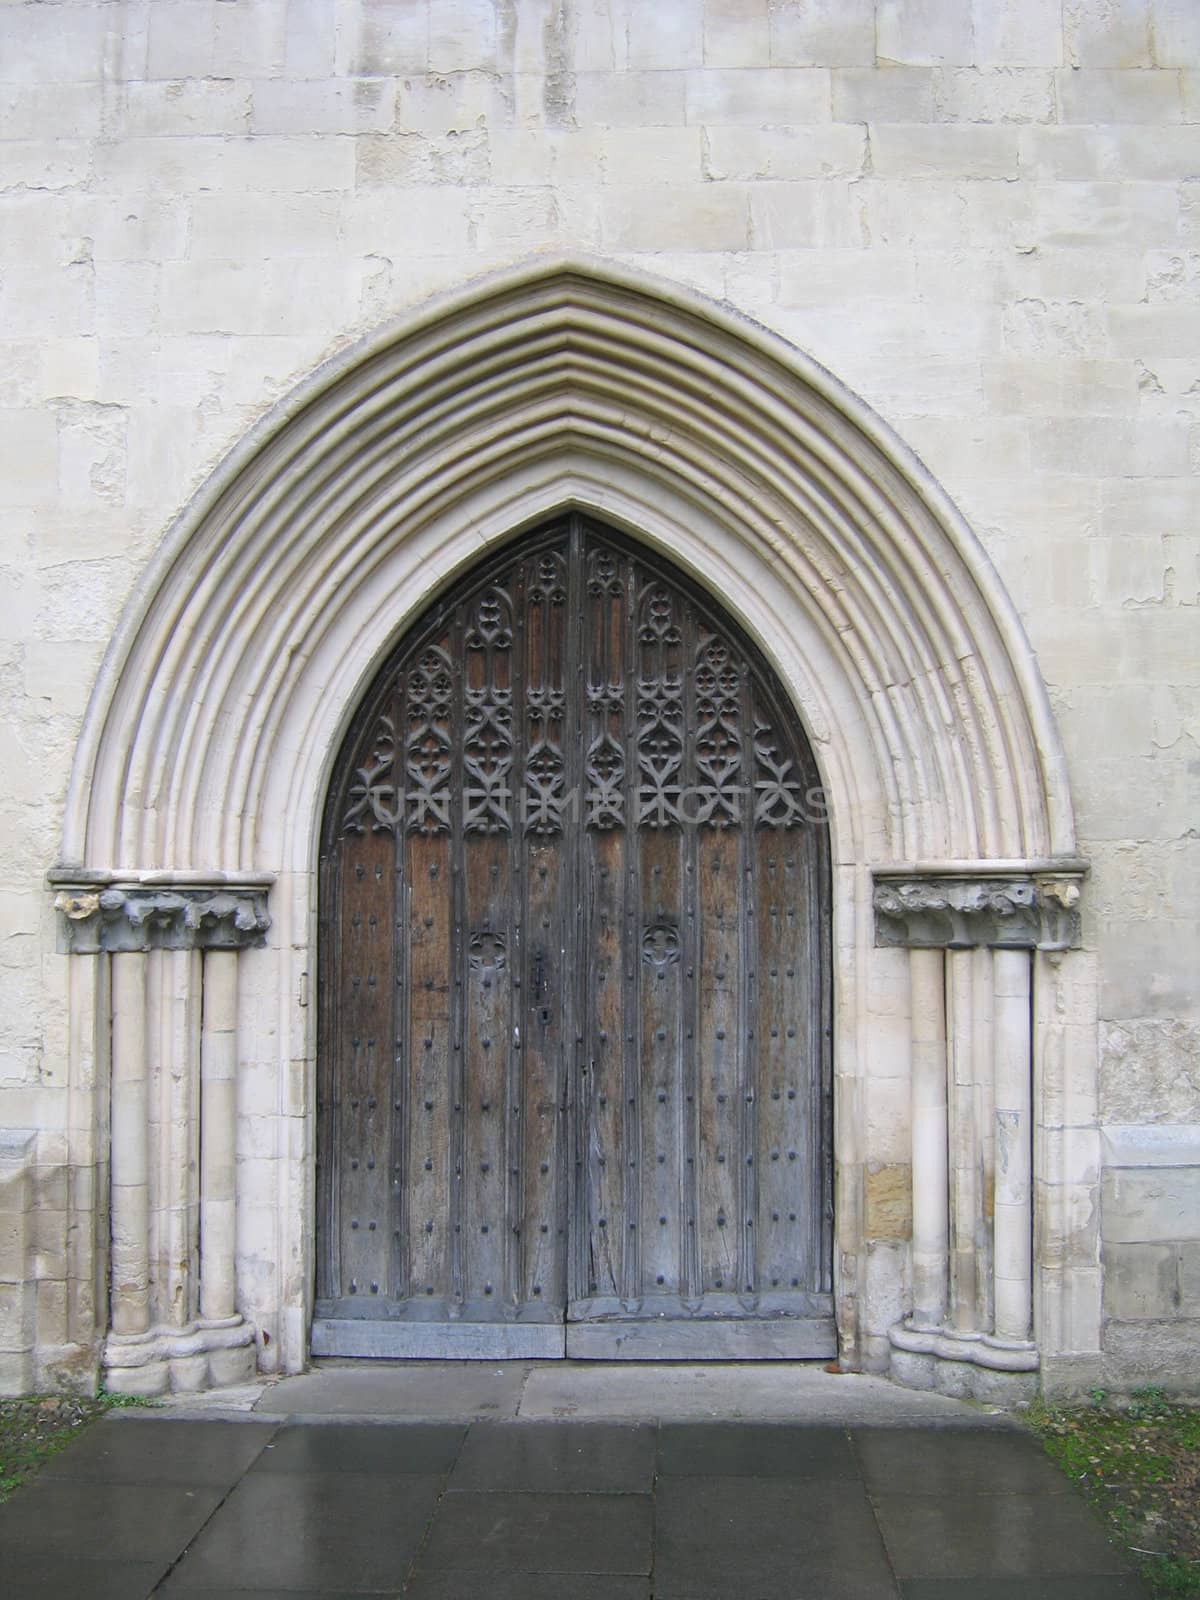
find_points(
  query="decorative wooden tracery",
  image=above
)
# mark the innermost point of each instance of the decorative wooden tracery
(574, 980)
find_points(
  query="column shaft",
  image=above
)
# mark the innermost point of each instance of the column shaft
(130, 1186)
(1014, 1146)
(218, 1135)
(929, 1138)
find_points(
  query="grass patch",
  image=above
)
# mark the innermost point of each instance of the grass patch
(35, 1429)
(1139, 1466)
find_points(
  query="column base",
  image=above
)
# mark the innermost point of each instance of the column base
(965, 1366)
(205, 1354)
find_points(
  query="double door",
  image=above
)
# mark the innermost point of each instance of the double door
(574, 981)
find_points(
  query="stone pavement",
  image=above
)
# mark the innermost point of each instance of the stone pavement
(449, 1488)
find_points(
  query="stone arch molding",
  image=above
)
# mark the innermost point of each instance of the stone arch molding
(194, 804)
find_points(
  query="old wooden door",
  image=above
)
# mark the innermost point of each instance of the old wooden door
(574, 982)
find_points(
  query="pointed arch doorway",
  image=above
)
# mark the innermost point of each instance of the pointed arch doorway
(573, 1077)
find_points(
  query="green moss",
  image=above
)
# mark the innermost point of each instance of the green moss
(34, 1430)
(1139, 1466)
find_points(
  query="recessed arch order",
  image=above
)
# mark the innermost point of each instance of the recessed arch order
(205, 755)
(232, 672)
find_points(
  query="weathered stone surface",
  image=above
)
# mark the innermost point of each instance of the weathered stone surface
(1145, 1204)
(1141, 1282)
(888, 1201)
(1149, 1071)
(1162, 1353)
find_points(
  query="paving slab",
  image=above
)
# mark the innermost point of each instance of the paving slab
(994, 1536)
(560, 1457)
(720, 1537)
(769, 1391)
(33, 1575)
(755, 1450)
(132, 1522)
(493, 1534)
(333, 1446)
(342, 1531)
(418, 1390)
(161, 1450)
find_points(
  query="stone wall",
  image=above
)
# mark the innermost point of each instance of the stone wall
(984, 218)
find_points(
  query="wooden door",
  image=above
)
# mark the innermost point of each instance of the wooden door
(574, 981)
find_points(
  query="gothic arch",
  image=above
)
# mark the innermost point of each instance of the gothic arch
(205, 753)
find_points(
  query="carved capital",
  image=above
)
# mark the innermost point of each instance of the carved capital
(1010, 911)
(123, 916)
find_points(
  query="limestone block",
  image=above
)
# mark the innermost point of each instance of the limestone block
(1097, 96)
(386, 38)
(943, 151)
(229, 226)
(288, 106)
(248, 40)
(676, 216)
(1150, 332)
(888, 1200)
(1111, 33)
(508, 219)
(461, 158)
(463, 35)
(192, 164)
(784, 153)
(60, 44)
(1149, 1070)
(204, 106)
(1101, 216)
(736, 33)
(1068, 1306)
(28, 455)
(651, 155)
(1151, 1204)
(434, 221)
(1053, 274)
(1175, 33)
(49, 110)
(887, 1129)
(310, 39)
(783, 95)
(458, 103)
(822, 33)
(1017, 33)
(149, 228)
(1162, 1353)
(1149, 969)
(1091, 444)
(1189, 1278)
(45, 163)
(1071, 1153)
(277, 297)
(630, 99)
(1141, 1281)
(92, 453)
(886, 93)
(924, 32)
(664, 37)
(973, 94)
(800, 215)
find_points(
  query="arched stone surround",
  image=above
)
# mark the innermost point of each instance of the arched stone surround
(205, 757)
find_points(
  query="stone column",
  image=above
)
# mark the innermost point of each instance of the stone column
(130, 1293)
(165, 1332)
(931, 1220)
(218, 1135)
(970, 932)
(1014, 1146)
